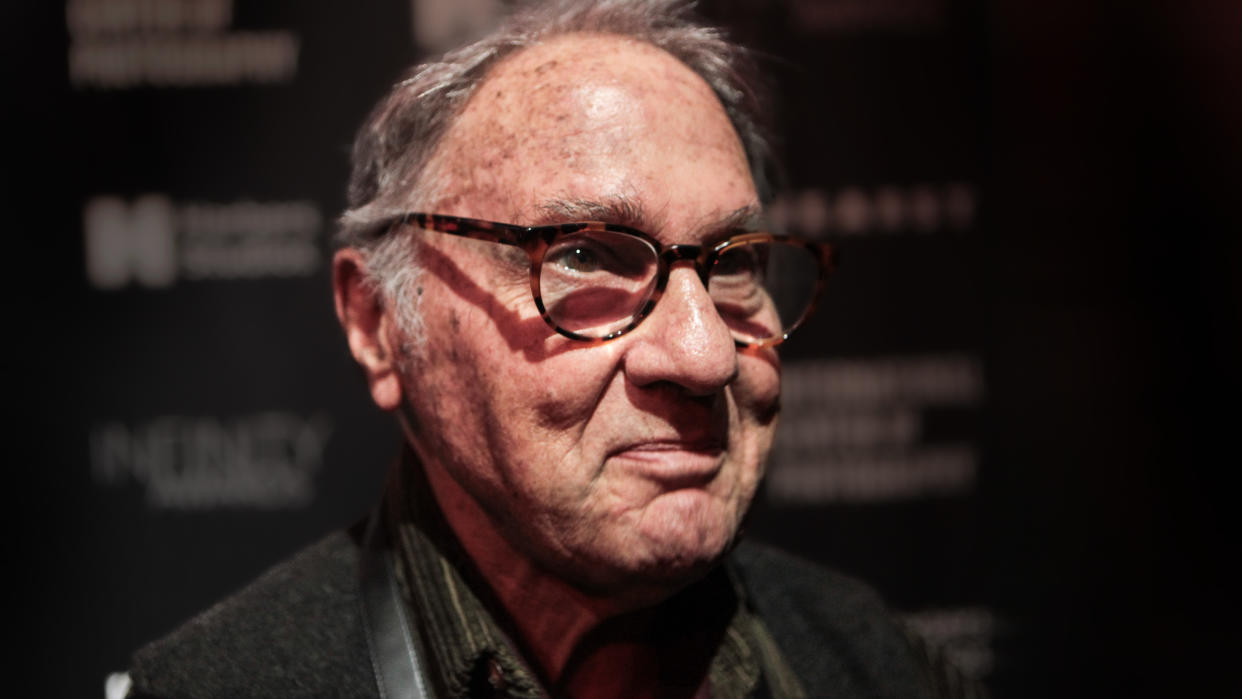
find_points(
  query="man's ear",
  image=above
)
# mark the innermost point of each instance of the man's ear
(368, 328)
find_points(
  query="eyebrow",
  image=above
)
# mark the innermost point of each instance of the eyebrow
(618, 209)
(628, 212)
(746, 217)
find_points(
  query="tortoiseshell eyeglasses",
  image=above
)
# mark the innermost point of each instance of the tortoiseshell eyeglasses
(596, 281)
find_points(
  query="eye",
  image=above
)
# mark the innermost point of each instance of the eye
(601, 253)
(743, 261)
(580, 257)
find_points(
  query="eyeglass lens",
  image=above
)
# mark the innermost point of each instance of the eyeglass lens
(594, 283)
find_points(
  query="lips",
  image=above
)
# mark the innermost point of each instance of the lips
(673, 462)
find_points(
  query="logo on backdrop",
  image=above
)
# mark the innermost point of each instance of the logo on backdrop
(865, 430)
(885, 210)
(126, 44)
(439, 26)
(263, 461)
(154, 241)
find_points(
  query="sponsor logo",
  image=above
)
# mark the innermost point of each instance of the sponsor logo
(154, 241)
(263, 461)
(869, 477)
(854, 430)
(125, 44)
(883, 210)
(124, 242)
(439, 26)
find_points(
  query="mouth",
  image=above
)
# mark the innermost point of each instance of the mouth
(673, 463)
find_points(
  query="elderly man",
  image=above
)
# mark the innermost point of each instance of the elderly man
(550, 273)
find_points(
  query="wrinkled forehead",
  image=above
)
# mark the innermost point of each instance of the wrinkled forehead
(588, 116)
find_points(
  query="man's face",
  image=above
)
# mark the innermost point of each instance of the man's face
(610, 464)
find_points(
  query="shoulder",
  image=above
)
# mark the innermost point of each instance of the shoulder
(835, 632)
(295, 631)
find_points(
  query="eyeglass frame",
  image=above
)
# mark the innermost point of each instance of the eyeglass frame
(536, 240)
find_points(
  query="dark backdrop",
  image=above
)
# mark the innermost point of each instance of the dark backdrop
(1014, 415)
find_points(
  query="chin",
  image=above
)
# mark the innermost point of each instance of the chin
(679, 539)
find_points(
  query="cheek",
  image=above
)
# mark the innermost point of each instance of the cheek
(758, 386)
(543, 414)
(756, 394)
(561, 387)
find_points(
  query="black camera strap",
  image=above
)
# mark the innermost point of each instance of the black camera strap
(400, 671)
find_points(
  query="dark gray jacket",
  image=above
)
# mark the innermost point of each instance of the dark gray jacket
(297, 631)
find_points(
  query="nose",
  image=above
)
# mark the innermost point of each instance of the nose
(684, 341)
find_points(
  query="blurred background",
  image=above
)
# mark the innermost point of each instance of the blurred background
(1015, 414)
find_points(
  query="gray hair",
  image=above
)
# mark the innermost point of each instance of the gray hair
(397, 140)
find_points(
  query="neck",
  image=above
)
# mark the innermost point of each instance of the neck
(551, 616)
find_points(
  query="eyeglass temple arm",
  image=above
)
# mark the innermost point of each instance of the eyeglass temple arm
(505, 234)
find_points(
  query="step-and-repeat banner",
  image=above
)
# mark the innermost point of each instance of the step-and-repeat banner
(218, 423)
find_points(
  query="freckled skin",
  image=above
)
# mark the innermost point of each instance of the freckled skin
(534, 427)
